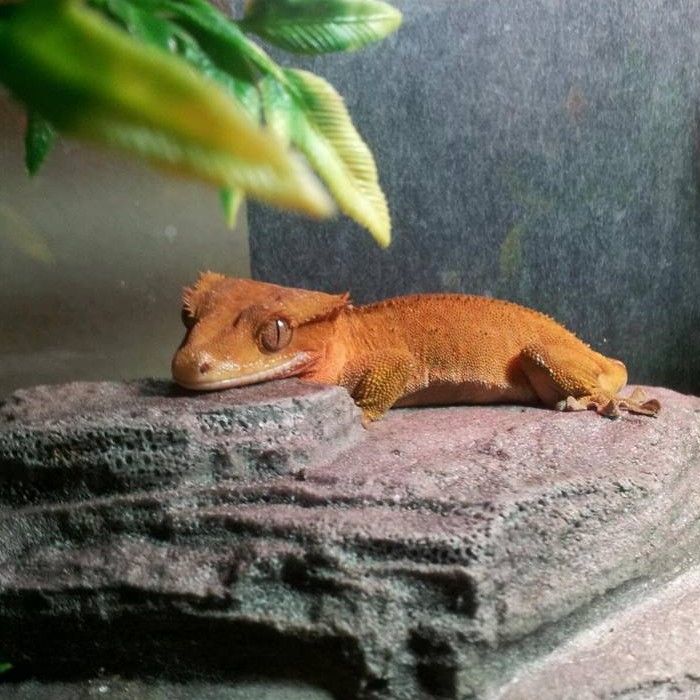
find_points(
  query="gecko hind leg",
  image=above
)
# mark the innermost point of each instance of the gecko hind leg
(573, 379)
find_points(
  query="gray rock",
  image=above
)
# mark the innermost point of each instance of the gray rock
(433, 554)
(119, 689)
(646, 652)
(151, 434)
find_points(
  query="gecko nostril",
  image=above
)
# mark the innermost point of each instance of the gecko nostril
(204, 367)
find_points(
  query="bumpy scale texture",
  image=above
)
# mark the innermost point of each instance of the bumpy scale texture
(414, 350)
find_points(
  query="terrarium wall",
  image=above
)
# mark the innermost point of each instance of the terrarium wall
(94, 252)
(542, 151)
(545, 152)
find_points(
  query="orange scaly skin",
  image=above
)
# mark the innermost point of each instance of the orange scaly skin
(408, 351)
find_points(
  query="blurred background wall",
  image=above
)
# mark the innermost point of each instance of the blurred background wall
(539, 150)
(94, 252)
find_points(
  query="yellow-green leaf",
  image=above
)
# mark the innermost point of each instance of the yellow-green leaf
(231, 201)
(142, 20)
(89, 78)
(320, 26)
(23, 236)
(309, 111)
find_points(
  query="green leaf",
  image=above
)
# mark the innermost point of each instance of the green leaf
(38, 140)
(91, 79)
(218, 36)
(231, 201)
(239, 83)
(5, 667)
(151, 28)
(280, 111)
(320, 26)
(142, 25)
(312, 114)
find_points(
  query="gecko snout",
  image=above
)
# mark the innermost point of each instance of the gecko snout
(197, 369)
(189, 366)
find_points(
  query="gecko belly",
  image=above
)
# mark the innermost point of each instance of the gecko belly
(445, 393)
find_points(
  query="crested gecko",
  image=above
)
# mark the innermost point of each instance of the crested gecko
(407, 351)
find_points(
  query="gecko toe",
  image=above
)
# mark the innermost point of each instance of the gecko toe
(650, 407)
(572, 404)
(610, 409)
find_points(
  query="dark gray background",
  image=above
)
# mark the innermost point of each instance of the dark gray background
(544, 152)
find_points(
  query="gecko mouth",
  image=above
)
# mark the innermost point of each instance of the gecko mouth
(281, 371)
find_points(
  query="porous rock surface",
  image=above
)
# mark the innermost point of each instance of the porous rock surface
(648, 651)
(261, 532)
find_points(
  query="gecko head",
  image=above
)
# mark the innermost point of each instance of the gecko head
(242, 332)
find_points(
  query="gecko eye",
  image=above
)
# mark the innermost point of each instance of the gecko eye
(274, 335)
(187, 318)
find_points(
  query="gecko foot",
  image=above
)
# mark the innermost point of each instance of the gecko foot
(610, 406)
(369, 416)
(637, 402)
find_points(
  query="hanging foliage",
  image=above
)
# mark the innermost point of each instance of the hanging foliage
(182, 85)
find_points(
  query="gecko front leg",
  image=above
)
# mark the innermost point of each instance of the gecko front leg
(376, 381)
